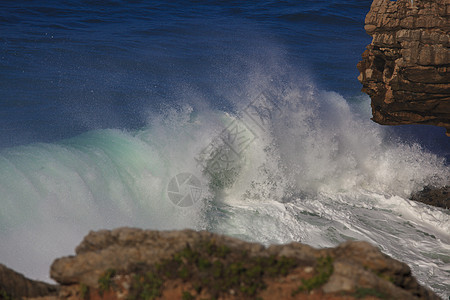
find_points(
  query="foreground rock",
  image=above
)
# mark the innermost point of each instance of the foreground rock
(405, 69)
(15, 286)
(131, 263)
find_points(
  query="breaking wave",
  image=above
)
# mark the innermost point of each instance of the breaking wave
(287, 163)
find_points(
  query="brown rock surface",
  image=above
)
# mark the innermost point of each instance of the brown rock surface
(15, 285)
(129, 263)
(434, 196)
(405, 70)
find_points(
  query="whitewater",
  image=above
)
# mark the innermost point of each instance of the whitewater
(289, 162)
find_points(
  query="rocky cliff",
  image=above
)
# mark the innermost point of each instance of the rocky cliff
(129, 263)
(405, 69)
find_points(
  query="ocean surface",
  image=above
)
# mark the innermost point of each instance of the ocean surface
(242, 118)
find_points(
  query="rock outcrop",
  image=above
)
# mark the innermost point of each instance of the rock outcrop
(15, 286)
(405, 70)
(439, 197)
(129, 263)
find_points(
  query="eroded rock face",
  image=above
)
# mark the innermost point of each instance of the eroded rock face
(405, 70)
(129, 263)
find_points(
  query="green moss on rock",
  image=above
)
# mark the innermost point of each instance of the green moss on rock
(324, 269)
(105, 281)
(214, 268)
(362, 293)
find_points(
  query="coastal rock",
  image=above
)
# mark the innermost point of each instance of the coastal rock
(434, 196)
(15, 286)
(133, 263)
(405, 70)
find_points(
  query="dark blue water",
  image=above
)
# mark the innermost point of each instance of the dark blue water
(67, 67)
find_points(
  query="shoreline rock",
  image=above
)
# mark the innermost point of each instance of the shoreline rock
(130, 263)
(14, 285)
(405, 70)
(439, 197)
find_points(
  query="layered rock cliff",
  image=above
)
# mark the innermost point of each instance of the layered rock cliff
(129, 263)
(405, 70)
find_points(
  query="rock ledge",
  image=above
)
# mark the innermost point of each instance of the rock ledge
(129, 263)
